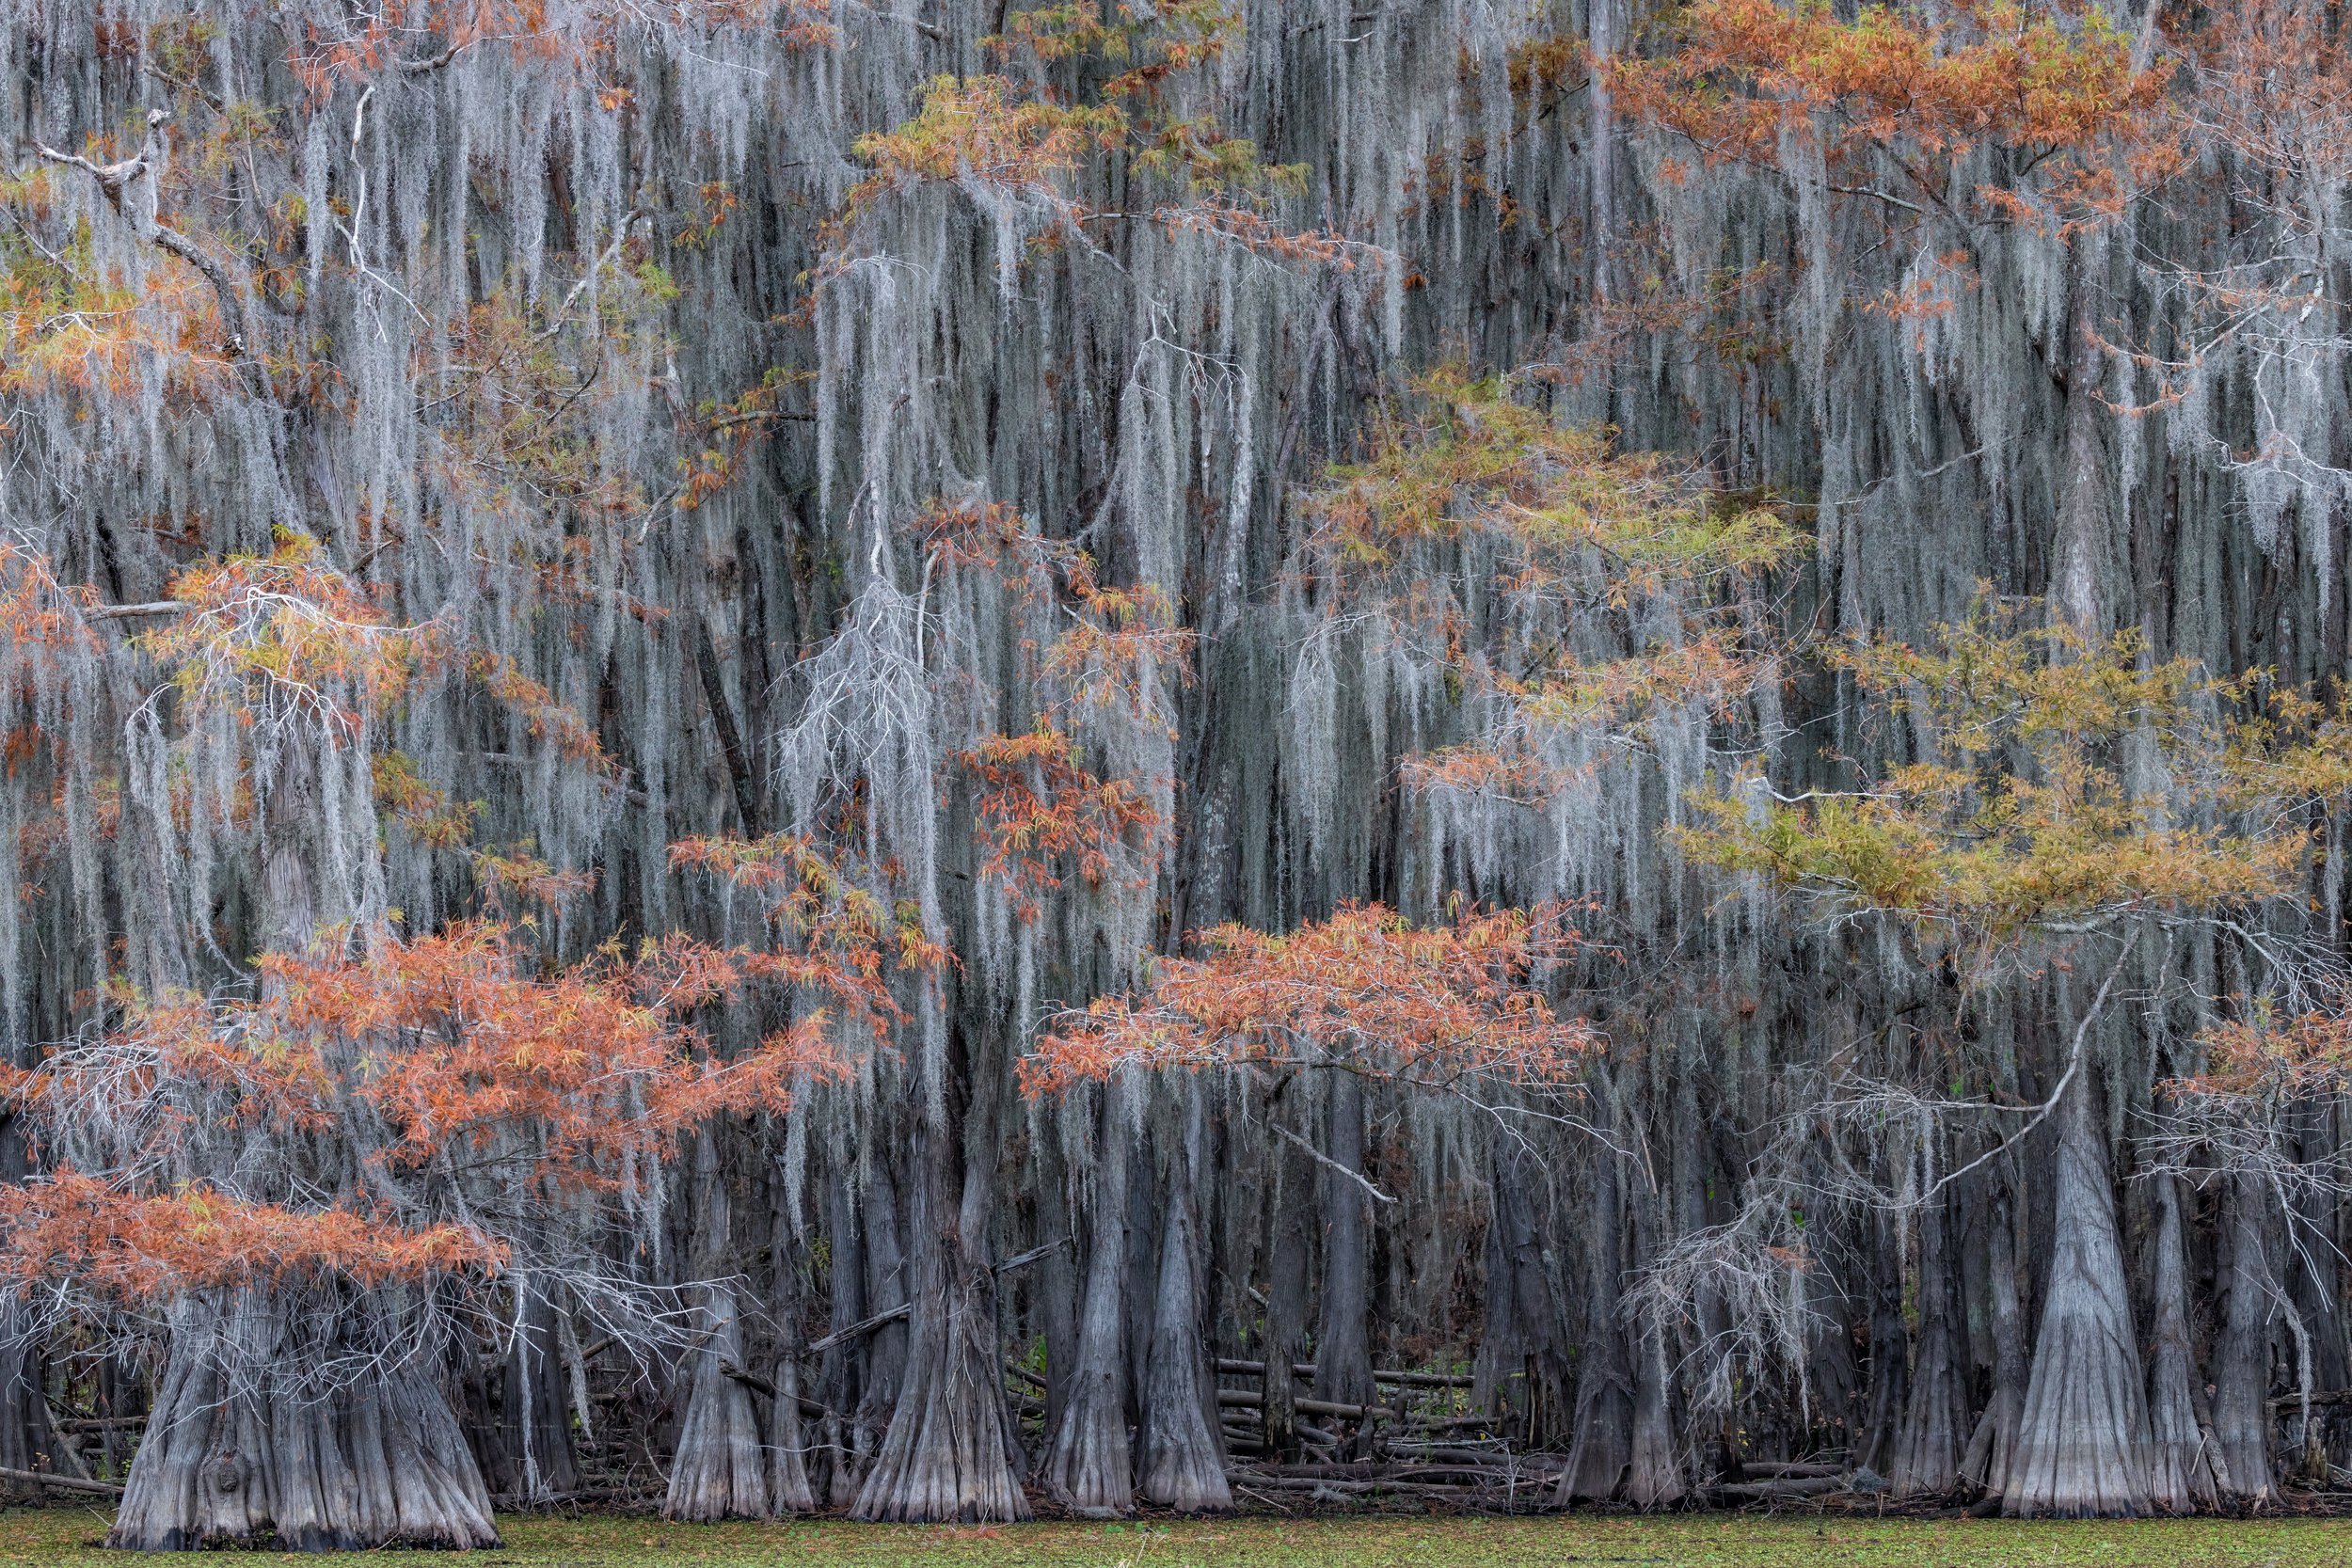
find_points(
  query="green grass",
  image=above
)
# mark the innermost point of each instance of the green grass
(67, 1537)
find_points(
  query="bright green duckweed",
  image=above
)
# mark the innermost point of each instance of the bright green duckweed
(63, 1538)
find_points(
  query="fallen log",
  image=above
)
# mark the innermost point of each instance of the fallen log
(1801, 1486)
(63, 1484)
(1247, 1398)
(100, 1423)
(1304, 1370)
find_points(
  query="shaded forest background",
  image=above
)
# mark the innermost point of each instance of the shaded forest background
(936, 758)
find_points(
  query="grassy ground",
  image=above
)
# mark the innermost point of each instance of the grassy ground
(67, 1537)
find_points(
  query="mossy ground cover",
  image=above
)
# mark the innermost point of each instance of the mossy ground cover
(68, 1538)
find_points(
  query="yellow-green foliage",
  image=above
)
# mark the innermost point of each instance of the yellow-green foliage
(2050, 781)
(1586, 537)
(1466, 455)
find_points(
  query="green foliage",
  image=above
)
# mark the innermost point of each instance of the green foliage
(2050, 781)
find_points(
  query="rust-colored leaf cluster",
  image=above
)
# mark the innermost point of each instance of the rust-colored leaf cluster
(1438, 1006)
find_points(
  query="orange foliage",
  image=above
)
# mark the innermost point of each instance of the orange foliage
(2303, 1053)
(1436, 1007)
(828, 936)
(986, 129)
(130, 1248)
(284, 631)
(1042, 813)
(550, 1087)
(2057, 84)
(40, 619)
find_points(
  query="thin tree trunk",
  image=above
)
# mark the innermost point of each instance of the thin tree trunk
(2241, 1359)
(1089, 1466)
(1183, 1464)
(2082, 1436)
(2181, 1461)
(1604, 1376)
(1343, 1347)
(1926, 1457)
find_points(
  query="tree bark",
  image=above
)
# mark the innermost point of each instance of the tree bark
(1343, 1346)
(1521, 1374)
(721, 1467)
(2241, 1359)
(1994, 1443)
(1089, 1467)
(534, 1420)
(1183, 1464)
(1604, 1376)
(1288, 1271)
(948, 1455)
(2082, 1436)
(789, 1490)
(2181, 1477)
(1890, 1355)
(251, 1445)
(1928, 1454)
(721, 1471)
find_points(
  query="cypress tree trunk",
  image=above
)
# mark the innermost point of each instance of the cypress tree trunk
(27, 1441)
(535, 1425)
(2082, 1436)
(1604, 1376)
(841, 1364)
(1183, 1464)
(1928, 1455)
(1890, 1354)
(1521, 1374)
(1089, 1466)
(948, 1457)
(887, 1284)
(1994, 1441)
(788, 1487)
(2182, 1477)
(1060, 1280)
(721, 1471)
(2241, 1356)
(250, 1444)
(721, 1467)
(1288, 1271)
(1653, 1475)
(1342, 1348)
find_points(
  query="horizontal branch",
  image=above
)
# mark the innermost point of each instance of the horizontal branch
(1306, 1369)
(64, 1484)
(859, 1329)
(1244, 1399)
